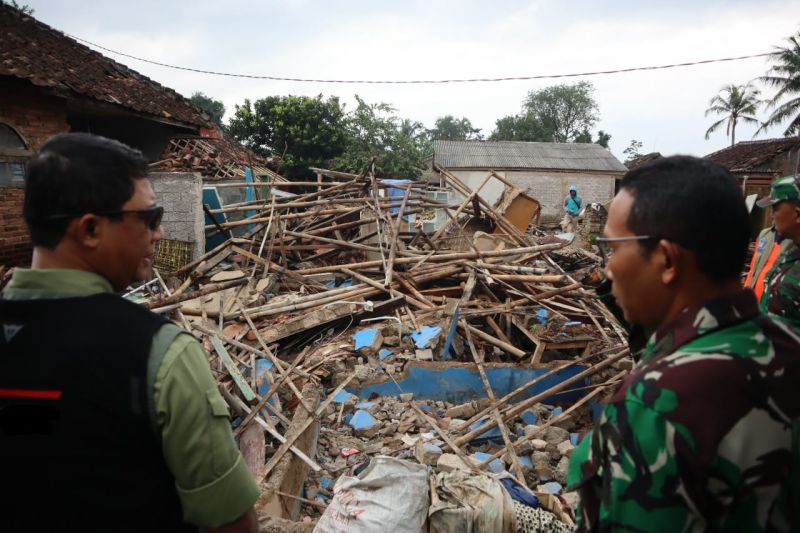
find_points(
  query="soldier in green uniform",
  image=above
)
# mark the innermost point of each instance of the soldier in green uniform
(110, 419)
(703, 435)
(782, 285)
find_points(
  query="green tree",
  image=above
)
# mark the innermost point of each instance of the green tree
(374, 131)
(301, 130)
(214, 108)
(564, 110)
(450, 128)
(519, 128)
(785, 76)
(560, 113)
(632, 151)
(736, 103)
(603, 138)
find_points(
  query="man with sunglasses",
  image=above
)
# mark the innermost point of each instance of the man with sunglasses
(704, 434)
(782, 284)
(110, 418)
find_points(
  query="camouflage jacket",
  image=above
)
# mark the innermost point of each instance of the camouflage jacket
(782, 286)
(704, 434)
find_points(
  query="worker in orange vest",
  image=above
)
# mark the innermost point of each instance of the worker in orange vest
(769, 246)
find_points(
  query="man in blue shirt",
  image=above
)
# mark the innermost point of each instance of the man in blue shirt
(572, 206)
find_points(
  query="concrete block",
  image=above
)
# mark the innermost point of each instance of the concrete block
(449, 462)
(565, 448)
(495, 465)
(427, 337)
(427, 453)
(407, 396)
(425, 355)
(368, 341)
(538, 444)
(370, 407)
(364, 424)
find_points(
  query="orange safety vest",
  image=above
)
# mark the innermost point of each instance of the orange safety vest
(758, 287)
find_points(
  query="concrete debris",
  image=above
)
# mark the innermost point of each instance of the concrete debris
(344, 331)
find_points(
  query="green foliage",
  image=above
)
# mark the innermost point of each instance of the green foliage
(560, 113)
(736, 103)
(632, 151)
(374, 131)
(519, 128)
(603, 138)
(449, 128)
(785, 76)
(214, 108)
(303, 131)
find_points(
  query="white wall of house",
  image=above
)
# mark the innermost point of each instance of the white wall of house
(549, 188)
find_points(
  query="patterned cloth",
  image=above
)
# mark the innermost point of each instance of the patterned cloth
(536, 520)
(705, 432)
(782, 286)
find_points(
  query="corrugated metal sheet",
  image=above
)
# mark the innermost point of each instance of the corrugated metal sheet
(525, 155)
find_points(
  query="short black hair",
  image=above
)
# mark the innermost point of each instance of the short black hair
(74, 174)
(695, 203)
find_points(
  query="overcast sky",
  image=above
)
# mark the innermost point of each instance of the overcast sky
(459, 39)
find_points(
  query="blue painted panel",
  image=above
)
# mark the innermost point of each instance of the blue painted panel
(461, 384)
(392, 191)
(211, 199)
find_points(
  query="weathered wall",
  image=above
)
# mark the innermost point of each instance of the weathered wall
(549, 188)
(35, 117)
(15, 243)
(181, 194)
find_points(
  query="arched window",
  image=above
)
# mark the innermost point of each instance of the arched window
(13, 155)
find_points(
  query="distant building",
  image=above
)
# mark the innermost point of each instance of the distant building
(50, 83)
(541, 170)
(755, 164)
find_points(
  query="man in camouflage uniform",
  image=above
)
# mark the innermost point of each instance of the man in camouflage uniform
(782, 284)
(704, 432)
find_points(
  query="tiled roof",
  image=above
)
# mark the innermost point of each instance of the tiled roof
(525, 155)
(642, 159)
(749, 155)
(214, 158)
(33, 51)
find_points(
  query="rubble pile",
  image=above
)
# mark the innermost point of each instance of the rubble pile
(333, 321)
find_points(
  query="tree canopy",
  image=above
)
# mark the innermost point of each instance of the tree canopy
(785, 76)
(214, 108)
(374, 131)
(301, 130)
(560, 113)
(450, 128)
(312, 132)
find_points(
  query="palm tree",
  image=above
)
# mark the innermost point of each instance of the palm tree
(737, 103)
(785, 76)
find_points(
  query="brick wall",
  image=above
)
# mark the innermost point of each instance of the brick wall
(15, 244)
(35, 117)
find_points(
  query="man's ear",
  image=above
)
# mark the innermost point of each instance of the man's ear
(86, 230)
(669, 255)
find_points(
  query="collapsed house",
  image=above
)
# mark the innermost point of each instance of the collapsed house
(362, 355)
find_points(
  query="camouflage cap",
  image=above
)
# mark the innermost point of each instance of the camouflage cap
(785, 188)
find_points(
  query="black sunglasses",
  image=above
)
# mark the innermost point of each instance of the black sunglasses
(151, 216)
